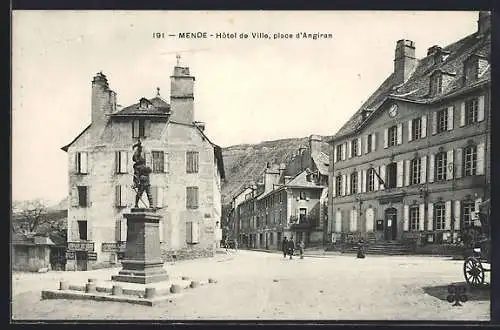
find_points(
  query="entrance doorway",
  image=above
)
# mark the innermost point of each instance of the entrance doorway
(81, 260)
(391, 229)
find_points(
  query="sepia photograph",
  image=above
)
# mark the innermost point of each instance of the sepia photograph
(250, 165)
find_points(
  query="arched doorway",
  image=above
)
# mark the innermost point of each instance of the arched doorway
(391, 229)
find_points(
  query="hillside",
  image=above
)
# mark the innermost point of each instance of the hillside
(244, 163)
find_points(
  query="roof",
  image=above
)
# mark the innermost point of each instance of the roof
(65, 148)
(22, 239)
(416, 88)
(158, 107)
(321, 161)
(301, 181)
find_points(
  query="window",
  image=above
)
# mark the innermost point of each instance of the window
(302, 215)
(370, 180)
(369, 141)
(414, 218)
(471, 70)
(437, 83)
(192, 162)
(470, 160)
(339, 153)
(303, 195)
(121, 196)
(354, 148)
(441, 162)
(192, 197)
(158, 161)
(393, 136)
(415, 171)
(280, 195)
(416, 128)
(82, 196)
(140, 128)
(338, 185)
(121, 161)
(82, 229)
(81, 163)
(354, 183)
(471, 110)
(192, 232)
(391, 175)
(442, 120)
(439, 216)
(468, 212)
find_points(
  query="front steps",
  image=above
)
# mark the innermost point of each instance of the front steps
(383, 248)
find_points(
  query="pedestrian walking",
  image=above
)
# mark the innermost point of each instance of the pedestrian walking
(226, 244)
(284, 246)
(291, 247)
(301, 249)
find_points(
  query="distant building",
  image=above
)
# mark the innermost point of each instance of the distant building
(289, 201)
(186, 180)
(31, 252)
(412, 164)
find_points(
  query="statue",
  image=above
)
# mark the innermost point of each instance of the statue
(141, 175)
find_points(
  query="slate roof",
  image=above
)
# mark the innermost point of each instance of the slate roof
(159, 107)
(300, 181)
(321, 161)
(416, 88)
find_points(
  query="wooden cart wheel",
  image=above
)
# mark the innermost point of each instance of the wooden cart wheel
(473, 271)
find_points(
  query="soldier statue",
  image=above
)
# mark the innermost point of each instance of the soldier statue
(141, 175)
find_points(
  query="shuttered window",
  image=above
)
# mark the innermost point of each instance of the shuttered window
(354, 148)
(416, 128)
(338, 155)
(158, 161)
(121, 161)
(442, 120)
(354, 183)
(82, 230)
(470, 160)
(192, 232)
(370, 180)
(192, 158)
(468, 208)
(140, 128)
(121, 196)
(192, 197)
(81, 161)
(392, 136)
(439, 216)
(471, 111)
(440, 166)
(414, 218)
(338, 185)
(83, 196)
(415, 171)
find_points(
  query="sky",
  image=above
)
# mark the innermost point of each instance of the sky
(246, 90)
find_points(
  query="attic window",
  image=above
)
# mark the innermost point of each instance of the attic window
(471, 70)
(144, 104)
(436, 83)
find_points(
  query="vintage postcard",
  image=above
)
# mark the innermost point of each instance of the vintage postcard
(251, 165)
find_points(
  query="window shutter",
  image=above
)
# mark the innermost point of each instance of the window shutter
(423, 169)
(118, 196)
(382, 175)
(135, 129)
(147, 128)
(87, 188)
(480, 159)
(74, 197)
(476, 208)
(159, 197)
(363, 178)
(117, 161)
(335, 154)
(123, 230)
(432, 160)
(447, 215)
(123, 195)
(407, 173)
(458, 208)
(421, 217)
(434, 123)
(410, 128)
(386, 137)
(400, 133)
(166, 168)
(462, 114)
(195, 232)
(406, 217)
(123, 161)
(83, 163)
(349, 149)
(75, 231)
(160, 229)
(90, 231)
(480, 108)
(400, 175)
(450, 118)
(374, 141)
(354, 220)
(334, 186)
(118, 230)
(375, 178)
(189, 232)
(348, 184)
(366, 144)
(343, 184)
(430, 216)
(359, 147)
(360, 183)
(338, 221)
(423, 131)
(458, 164)
(344, 147)
(147, 157)
(449, 165)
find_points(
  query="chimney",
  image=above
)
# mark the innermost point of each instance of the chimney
(484, 22)
(181, 95)
(314, 143)
(103, 99)
(404, 60)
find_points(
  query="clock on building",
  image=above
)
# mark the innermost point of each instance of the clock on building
(393, 110)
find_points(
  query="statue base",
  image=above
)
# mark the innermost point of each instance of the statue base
(142, 263)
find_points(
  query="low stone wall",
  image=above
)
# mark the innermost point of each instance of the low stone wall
(188, 253)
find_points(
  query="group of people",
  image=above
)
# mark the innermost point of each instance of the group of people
(288, 247)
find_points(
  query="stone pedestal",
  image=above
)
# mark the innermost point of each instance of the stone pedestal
(142, 262)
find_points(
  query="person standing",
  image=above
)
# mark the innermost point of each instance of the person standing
(291, 247)
(236, 245)
(301, 249)
(284, 246)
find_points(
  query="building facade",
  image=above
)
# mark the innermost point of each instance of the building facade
(413, 163)
(187, 170)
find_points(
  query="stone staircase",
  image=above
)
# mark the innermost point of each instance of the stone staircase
(383, 248)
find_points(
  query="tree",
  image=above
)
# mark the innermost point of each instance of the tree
(33, 217)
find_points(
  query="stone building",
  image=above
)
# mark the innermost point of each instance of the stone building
(412, 164)
(187, 169)
(290, 200)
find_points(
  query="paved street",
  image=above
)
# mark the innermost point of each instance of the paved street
(255, 285)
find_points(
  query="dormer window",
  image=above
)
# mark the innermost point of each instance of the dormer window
(144, 104)
(471, 70)
(436, 83)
